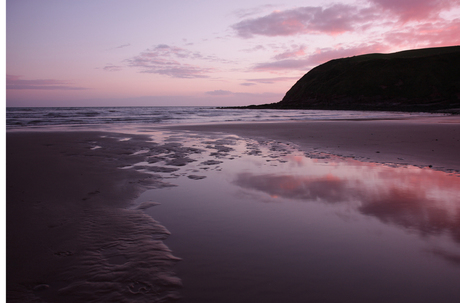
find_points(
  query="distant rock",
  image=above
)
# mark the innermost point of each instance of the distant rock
(414, 80)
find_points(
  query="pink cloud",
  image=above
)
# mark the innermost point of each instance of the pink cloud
(426, 29)
(14, 82)
(244, 13)
(270, 80)
(336, 19)
(298, 51)
(408, 10)
(341, 18)
(318, 57)
(440, 33)
(254, 49)
(219, 92)
(112, 68)
(163, 50)
(182, 71)
(326, 54)
(123, 45)
(288, 64)
(165, 60)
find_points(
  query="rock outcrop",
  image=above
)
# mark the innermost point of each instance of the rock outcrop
(414, 80)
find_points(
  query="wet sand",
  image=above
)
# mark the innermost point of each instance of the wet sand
(72, 235)
(419, 141)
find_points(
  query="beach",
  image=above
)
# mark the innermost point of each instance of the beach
(74, 233)
(67, 221)
(419, 141)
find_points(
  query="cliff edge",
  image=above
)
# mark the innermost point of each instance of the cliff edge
(414, 80)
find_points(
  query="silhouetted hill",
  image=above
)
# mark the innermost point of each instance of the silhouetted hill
(414, 80)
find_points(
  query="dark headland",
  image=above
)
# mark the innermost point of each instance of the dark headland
(426, 80)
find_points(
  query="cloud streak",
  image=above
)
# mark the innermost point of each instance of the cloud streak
(298, 51)
(333, 20)
(408, 10)
(219, 92)
(389, 25)
(244, 13)
(341, 18)
(112, 68)
(226, 93)
(168, 60)
(319, 56)
(14, 82)
(123, 45)
(439, 33)
(269, 80)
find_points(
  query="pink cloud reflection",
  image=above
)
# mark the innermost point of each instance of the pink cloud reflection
(422, 200)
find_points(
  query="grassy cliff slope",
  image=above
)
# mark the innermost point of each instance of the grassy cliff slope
(414, 80)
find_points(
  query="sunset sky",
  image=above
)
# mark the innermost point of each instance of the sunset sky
(203, 52)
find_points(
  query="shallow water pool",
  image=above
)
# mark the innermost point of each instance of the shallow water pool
(266, 222)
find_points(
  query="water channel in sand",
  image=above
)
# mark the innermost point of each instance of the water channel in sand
(265, 222)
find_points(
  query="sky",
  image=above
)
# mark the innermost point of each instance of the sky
(199, 52)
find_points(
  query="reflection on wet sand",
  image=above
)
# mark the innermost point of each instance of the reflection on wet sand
(423, 200)
(348, 244)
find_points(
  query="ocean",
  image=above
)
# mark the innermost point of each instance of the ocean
(20, 117)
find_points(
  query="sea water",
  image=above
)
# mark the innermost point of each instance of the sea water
(20, 117)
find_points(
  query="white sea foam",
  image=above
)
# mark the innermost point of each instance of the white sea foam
(52, 116)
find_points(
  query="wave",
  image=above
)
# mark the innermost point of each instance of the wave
(22, 117)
